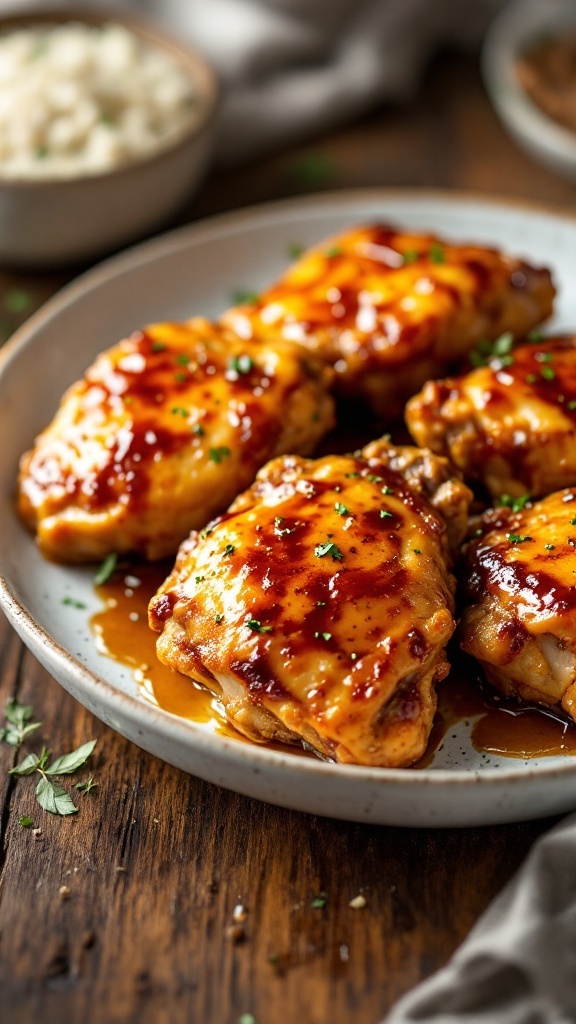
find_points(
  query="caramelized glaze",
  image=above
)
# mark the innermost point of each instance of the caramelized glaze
(390, 309)
(492, 421)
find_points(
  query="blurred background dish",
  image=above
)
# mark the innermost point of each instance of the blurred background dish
(526, 66)
(108, 130)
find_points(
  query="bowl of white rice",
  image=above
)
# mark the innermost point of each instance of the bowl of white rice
(106, 128)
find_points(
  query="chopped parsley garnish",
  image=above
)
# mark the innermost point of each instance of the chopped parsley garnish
(71, 602)
(571, 405)
(26, 821)
(516, 504)
(531, 378)
(106, 570)
(547, 373)
(417, 551)
(374, 479)
(179, 410)
(181, 378)
(410, 256)
(241, 364)
(329, 548)
(158, 346)
(544, 357)
(340, 508)
(217, 454)
(387, 490)
(352, 476)
(199, 579)
(549, 547)
(517, 538)
(573, 522)
(229, 549)
(198, 429)
(242, 297)
(218, 619)
(295, 250)
(319, 902)
(183, 358)
(437, 254)
(86, 786)
(257, 626)
(384, 514)
(320, 604)
(325, 636)
(498, 350)
(17, 300)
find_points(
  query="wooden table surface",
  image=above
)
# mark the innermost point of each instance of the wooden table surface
(156, 861)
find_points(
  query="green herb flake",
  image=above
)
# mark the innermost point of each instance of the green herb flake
(198, 429)
(374, 479)
(71, 602)
(218, 619)
(549, 547)
(229, 549)
(181, 378)
(417, 551)
(17, 301)
(437, 254)
(571, 406)
(547, 373)
(314, 168)
(218, 454)
(410, 256)
(387, 490)
(179, 410)
(244, 297)
(295, 250)
(320, 604)
(515, 504)
(26, 821)
(241, 364)
(353, 656)
(544, 357)
(340, 508)
(517, 538)
(573, 522)
(199, 579)
(319, 902)
(325, 636)
(531, 378)
(183, 358)
(257, 627)
(159, 346)
(86, 786)
(385, 514)
(106, 570)
(329, 548)
(352, 476)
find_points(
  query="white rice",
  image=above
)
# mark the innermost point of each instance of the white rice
(79, 100)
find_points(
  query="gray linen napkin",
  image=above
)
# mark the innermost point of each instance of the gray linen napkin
(518, 965)
(291, 69)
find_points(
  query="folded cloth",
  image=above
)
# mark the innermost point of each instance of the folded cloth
(518, 965)
(293, 68)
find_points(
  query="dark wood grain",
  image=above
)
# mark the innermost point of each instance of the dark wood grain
(156, 861)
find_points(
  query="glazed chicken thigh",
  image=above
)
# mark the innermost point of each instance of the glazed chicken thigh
(521, 585)
(510, 424)
(321, 603)
(390, 309)
(161, 433)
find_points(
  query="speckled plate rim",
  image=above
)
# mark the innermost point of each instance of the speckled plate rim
(137, 719)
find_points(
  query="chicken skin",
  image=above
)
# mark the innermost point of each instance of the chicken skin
(321, 603)
(390, 309)
(161, 433)
(510, 424)
(521, 621)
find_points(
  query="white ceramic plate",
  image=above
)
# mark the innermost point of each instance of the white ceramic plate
(195, 270)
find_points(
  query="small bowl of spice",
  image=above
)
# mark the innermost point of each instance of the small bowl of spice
(529, 67)
(106, 128)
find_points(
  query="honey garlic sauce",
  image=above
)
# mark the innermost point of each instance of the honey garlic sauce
(500, 727)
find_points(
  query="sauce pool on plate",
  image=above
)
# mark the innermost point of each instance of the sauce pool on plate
(498, 726)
